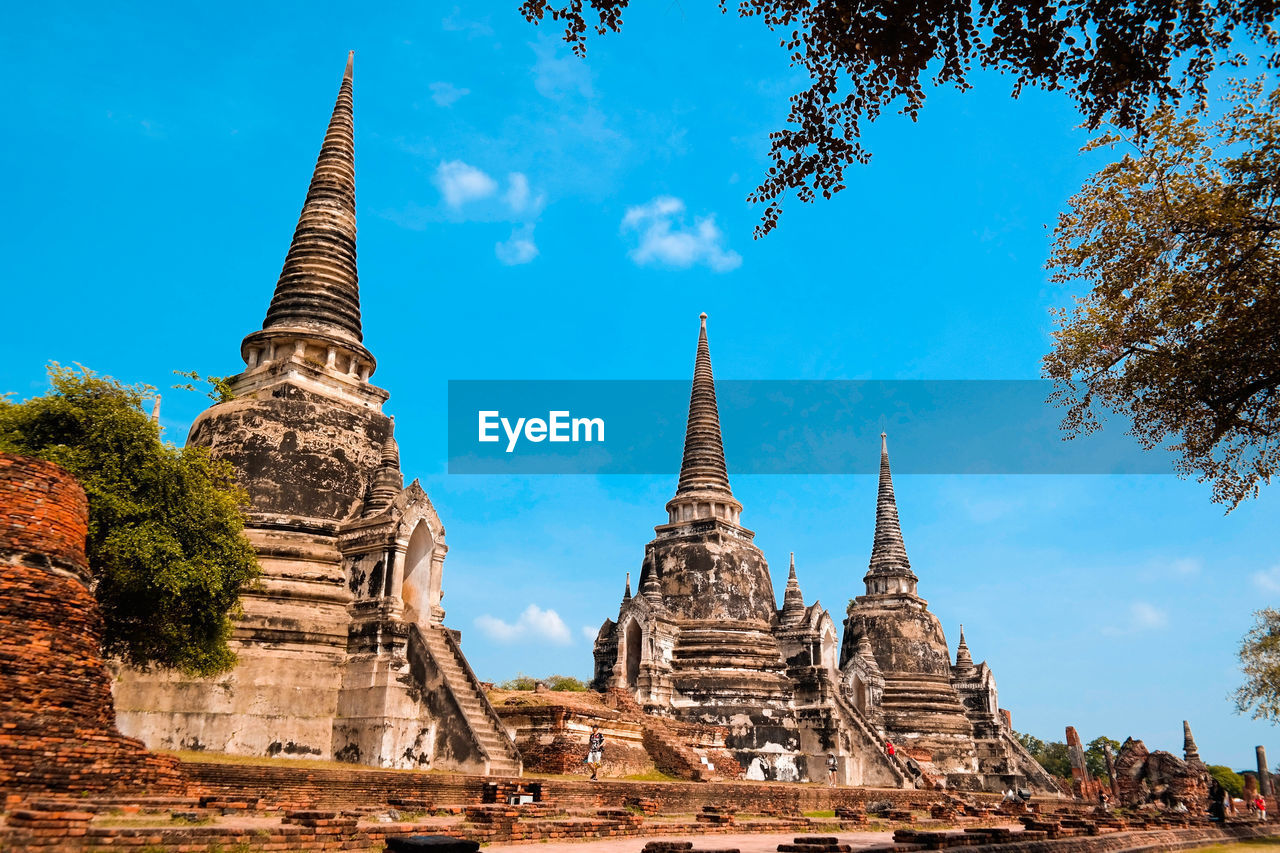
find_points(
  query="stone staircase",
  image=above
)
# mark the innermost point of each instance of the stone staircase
(1028, 766)
(669, 752)
(504, 758)
(857, 725)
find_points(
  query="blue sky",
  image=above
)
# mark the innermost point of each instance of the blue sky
(527, 215)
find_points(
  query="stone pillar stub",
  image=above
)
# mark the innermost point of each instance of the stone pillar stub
(1111, 770)
(1264, 778)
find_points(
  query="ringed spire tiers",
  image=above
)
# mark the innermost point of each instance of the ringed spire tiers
(703, 489)
(793, 599)
(318, 293)
(964, 660)
(318, 286)
(889, 570)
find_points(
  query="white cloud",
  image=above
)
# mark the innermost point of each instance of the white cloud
(1142, 617)
(1268, 581)
(589, 634)
(555, 76)
(446, 94)
(519, 249)
(1187, 566)
(456, 22)
(518, 197)
(666, 239)
(461, 183)
(534, 624)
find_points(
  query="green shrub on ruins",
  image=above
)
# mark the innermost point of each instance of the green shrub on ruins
(1095, 759)
(553, 682)
(566, 682)
(1228, 778)
(1052, 756)
(165, 543)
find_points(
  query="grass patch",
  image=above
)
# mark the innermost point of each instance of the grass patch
(1247, 844)
(651, 776)
(830, 813)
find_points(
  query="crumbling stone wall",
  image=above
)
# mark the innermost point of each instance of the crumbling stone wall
(1144, 777)
(57, 721)
(553, 739)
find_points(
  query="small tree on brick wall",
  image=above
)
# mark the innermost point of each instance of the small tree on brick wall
(165, 543)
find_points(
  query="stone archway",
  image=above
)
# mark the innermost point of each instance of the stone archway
(827, 650)
(415, 589)
(631, 645)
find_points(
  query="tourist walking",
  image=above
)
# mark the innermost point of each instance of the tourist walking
(595, 752)
(1261, 805)
(832, 766)
(888, 747)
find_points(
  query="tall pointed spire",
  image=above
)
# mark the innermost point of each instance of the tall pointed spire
(964, 660)
(318, 289)
(650, 589)
(1189, 750)
(703, 490)
(626, 593)
(793, 598)
(388, 481)
(888, 551)
(703, 468)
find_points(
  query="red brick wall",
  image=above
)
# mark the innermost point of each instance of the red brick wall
(57, 720)
(44, 516)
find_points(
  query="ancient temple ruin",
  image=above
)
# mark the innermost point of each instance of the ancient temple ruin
(342, 651)
(704, 641)
(945, 717)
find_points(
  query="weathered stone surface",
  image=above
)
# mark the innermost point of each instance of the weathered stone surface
(1159, 777)
(1082, 785)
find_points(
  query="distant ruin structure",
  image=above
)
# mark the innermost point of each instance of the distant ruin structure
(342, 649)
(1264, 775)
(1161, 777)
(1083, 786)
(704, 641)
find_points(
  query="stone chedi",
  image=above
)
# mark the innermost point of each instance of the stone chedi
(945, 718)
(341, 648)
(704, 641)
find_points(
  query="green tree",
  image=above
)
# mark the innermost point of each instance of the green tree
(1115, 58)
(1228, 778)
(520, 682)
(165, 542)
(1179, 242)
(1095, 761)
(1056, 759)
(1260, 662)
(566, 683)
(1030, 743)
(1052, 756)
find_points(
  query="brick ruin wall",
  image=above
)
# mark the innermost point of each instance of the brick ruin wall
(57, 720)
(552, 738)
(279, 786)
